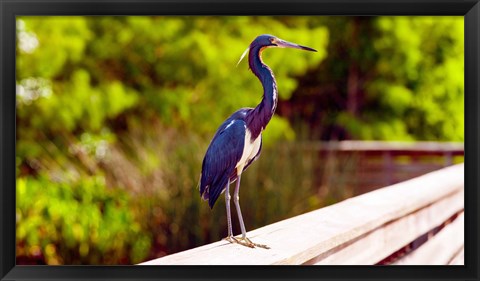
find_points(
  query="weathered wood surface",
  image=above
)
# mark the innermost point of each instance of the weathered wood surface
(444, 248)
(459, 258)
(383, 241)
(359, 230)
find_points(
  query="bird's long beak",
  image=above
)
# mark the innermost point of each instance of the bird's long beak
(285, 44)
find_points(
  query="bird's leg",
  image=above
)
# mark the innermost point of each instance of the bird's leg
(244, 240)
(229, 218)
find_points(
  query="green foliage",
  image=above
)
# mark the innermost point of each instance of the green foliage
(386, 78)
(61, 43)
(425, 94)
(77, 223)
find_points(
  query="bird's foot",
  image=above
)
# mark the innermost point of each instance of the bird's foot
(248, 243)
(245, 242)
(230, 239)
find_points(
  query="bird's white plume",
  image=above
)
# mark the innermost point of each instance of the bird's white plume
(243, 55)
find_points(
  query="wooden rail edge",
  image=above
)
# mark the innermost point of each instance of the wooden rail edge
(455, 148)
(361, 230)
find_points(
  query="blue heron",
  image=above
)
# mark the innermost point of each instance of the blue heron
(238, 141)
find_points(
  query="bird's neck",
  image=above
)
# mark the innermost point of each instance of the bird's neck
(258, 118)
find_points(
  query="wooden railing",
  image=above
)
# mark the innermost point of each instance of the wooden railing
(419, 221)
(368, 165)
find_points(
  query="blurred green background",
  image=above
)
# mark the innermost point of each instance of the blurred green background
(114, 115)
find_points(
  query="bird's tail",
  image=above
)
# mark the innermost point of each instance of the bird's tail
(211, 191)
(203, 188)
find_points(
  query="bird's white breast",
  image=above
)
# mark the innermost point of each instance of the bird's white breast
(250, 149)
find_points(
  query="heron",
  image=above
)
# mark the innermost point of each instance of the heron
(237, 143)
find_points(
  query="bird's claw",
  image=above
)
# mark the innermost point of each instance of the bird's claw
(230, 239)
(245, 242)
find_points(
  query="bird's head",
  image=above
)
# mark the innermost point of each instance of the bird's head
(268, 41)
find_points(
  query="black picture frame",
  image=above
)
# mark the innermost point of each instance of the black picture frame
(9, 9)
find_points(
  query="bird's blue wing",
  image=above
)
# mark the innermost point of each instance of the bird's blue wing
(222, 156)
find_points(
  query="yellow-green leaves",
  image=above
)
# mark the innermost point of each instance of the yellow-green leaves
(77, 223)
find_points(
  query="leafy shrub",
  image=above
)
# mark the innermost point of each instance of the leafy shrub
(77, 222)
